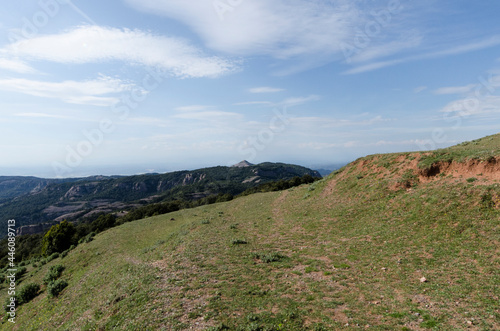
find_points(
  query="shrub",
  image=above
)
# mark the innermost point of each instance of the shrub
(310, 269)
(220, 327)
(88, 238)
(471, 179)
(269, 257)
(487, 200)
(58, 238)
(56, 287)
(52, 257)
(20, 272)
(205, 222)
(103, 222)
(27, 293)
(54, 272)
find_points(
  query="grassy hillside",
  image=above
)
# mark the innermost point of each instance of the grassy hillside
(383, 244)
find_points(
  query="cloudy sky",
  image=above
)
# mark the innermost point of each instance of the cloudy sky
(134, 86)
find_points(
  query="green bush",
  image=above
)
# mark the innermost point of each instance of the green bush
(88, 238)
(56, 287)
(268, 257)
(58, 238)
(27, 293)
(54, 272)
(52, 257)
(20, 272)
(238, 241)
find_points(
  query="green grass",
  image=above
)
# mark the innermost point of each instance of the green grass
(481, 149)
(351, 253)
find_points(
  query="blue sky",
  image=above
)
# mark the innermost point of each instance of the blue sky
(135, 86)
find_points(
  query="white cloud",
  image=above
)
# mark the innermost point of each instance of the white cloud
(455, 90)
(328, 123)
(41, 115)
(469, 106)
(253, 103)
(208, 115)
(91, 44)
(316, 32)
(419, 89)
(372, 66)
(193, 108)
(265, 90)
(16, 66)
(461, 49)
(295, 101)
(279, 28)
(379, 49)
(92, 92)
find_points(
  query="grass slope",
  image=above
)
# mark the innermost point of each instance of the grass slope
(347, 252)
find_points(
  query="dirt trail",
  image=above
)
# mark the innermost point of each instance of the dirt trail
(277, 208)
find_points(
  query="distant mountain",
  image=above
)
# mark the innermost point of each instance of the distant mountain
(242, 164)
(11, 186)
(325, 170)
(15, 186)
(31, 200)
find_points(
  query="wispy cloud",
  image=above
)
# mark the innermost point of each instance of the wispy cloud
(372, 66)
(454, 90)
(481, 99)
(193, 108)
(328, 123)
(265, 90)
(208, 116)
(42, 115)
(92, 44)
(315, 32)
(471, 106)
(383, 49)
(461, 49)
(295, 101)
(91, 92)
(279, 28)
(253, 103)
(16, 66)
(419, 89)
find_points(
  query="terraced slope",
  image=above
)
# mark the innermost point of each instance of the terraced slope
(384, 243)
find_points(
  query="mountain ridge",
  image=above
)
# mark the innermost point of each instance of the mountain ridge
(82, 197)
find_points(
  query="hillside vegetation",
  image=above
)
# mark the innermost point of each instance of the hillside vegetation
(406, 241)
(73, 199)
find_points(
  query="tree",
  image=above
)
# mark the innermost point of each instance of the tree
(58, 239)
(103, 222)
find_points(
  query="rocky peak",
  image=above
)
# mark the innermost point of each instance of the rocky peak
(242, 164)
